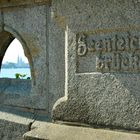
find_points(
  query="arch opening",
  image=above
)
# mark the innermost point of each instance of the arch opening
(15, 58)
(15, 64)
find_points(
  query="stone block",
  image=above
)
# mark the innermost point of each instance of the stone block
(102, 63)
(13, 3)
(64, 132)
(56, 61)
(12, 125)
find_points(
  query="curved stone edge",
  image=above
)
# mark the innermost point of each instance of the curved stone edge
(59, 109)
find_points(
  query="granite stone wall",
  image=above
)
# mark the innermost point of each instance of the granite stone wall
(102, 63)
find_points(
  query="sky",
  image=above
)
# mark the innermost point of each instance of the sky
(14, 50)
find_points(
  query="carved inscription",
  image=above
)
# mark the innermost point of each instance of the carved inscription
(117, 52)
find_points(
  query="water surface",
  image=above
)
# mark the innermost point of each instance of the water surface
(10, 73)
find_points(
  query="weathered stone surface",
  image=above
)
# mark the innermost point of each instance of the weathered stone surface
(1, 21)
(12, 126)
(56, 61)
(88, 15)
(14, 123)
(97, 92)
(15, 92)
(63, 132)
(101, 42)
(32, 26)
(11, 3)
(29, 26)
(15, 86)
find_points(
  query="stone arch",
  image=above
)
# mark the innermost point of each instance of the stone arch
(6, 37)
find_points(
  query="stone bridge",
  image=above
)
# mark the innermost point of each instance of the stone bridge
(84, 59)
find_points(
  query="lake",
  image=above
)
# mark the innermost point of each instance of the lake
(10, 73)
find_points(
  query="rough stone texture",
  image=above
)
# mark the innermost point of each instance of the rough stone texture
(125, 13)
(40, 37)
(56, 60)
(97, 98)
(11, 3)
(1, 21)
(115, 104)
(15, 86)
(107, 98)
(12, 127)
(62, 132)
(11, 130)
(29, 26)
(12, 90)
(14, 123)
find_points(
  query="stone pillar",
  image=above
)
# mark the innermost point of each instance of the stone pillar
(28, 22)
